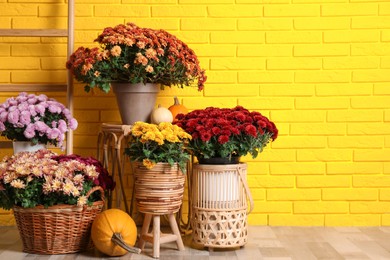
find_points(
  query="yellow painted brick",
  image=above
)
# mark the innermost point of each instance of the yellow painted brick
(258, 194)
(384, 194)
(323, 181)
(322, 103)
(38, 76)
(385, 36)
(52, 10)
(358, 9)
(352, 89)
(196, 103)
(180, 92)
(371, 75)
(387, 116)
(277, 155)
(385, 220)
(22, 9)
(264, 24)
(322, 23)
(357, 36)
(89, 128)
(294, 63)
(335, 76)
(97, 23)
(10, 63)
(296, 220)
(371, 22)
(263, 1)
(293, 194)
(191, 37)
(371, 155)
(318, 207)
(287, 90)
(354, 167)
(384, 9)
(5, 49)
(387, 142)
(221, 77)
(265, 77)
(179, 11)
(298, 116)
(43, 50)
(370, 181)
(371, 207)
(352, 220)
(231, 90)
(370, 49)
(169, 24)
(86, 116)
(368, 129)
(122, 10)
(225, 50)
(5, 22)
(257, 219)
(266, 103)
(83, 10)
(95, 103)
(5, 76)
(258, 168)
(260, 181)
(237, 63)
(349, 194)
(318, 1)
(267, 207)
(201, 2)
(39, 23)
(291, 10)
(273, 50)
(385, 63)
(299, 142)
(328, 155)
(293, 168)
(7, 220)
(237, 37)
(351, 63)
(355, 142)
(208, 24)
(356, 115)
(86, 141)
(53, 63)
(318, 129)
(147, 1)
(293, 37)
(239, 11)
(321, 50)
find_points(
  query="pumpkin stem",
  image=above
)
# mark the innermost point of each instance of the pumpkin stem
(117, 239)
(177, 102)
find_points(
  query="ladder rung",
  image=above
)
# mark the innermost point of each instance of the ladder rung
(33, 87)
(34, 32)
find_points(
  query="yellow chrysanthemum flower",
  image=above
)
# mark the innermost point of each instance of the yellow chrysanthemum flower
(148, 163)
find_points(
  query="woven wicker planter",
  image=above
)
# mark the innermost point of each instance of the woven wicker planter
(159, 190)
(219, 205)
(59, 229)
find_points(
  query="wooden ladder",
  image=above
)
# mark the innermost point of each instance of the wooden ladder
(54, 87)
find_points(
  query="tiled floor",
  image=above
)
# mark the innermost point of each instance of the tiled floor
(273, 243)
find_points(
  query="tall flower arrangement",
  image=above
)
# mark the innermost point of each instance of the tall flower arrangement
(129, 53)
(28, 179)
(35, 118)
(226, 132)
(151, 144)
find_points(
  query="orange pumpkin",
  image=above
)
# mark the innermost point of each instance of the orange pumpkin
(177, 108)
(114, 233)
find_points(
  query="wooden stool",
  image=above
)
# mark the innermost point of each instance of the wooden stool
(156, 237)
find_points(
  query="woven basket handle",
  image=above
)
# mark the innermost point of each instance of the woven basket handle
(247, 190)
(96, 188)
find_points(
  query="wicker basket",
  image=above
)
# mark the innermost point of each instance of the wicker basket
(159, 190)
(59, 229)
(219, 205)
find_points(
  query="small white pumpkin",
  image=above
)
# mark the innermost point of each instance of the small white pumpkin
(161, 114)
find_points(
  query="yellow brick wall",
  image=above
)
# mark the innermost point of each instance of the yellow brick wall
(319, 69)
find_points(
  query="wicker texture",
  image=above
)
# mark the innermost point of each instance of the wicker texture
(159, 190)
(219, 205)
(59, 229)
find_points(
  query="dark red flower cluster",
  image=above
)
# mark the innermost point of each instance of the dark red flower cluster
(104, 180)
(235, 129)
(223, 123)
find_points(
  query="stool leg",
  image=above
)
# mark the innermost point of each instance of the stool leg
(144, 230)
(156, 236)
(175, 230)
